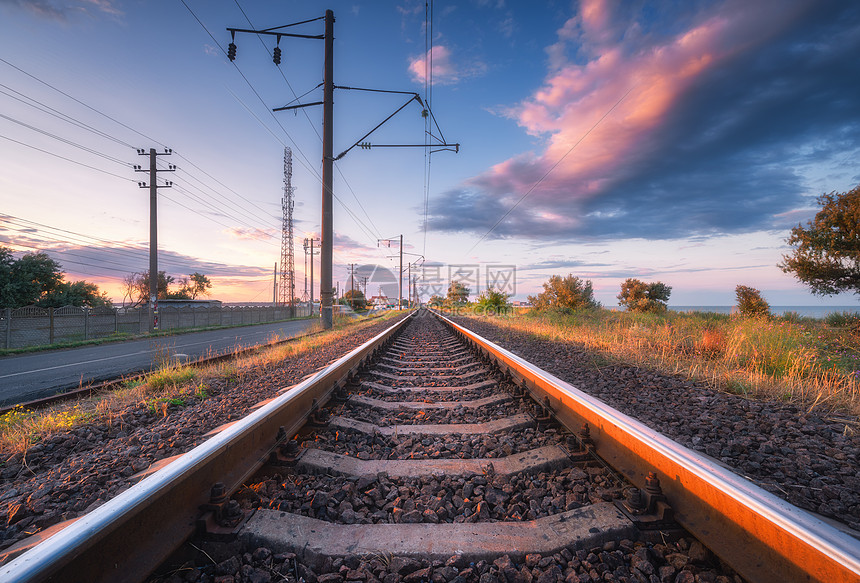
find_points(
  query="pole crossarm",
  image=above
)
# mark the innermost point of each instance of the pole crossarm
(381, 91)
(379, 125)
(441, 147)
(277, 34)
(301, 105)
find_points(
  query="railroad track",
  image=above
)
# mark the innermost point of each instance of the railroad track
(429, 454)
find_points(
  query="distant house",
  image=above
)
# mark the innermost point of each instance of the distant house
(189, 303)
(381, 302)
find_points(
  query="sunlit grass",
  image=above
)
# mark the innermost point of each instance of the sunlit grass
(801, 360)
(170, 387)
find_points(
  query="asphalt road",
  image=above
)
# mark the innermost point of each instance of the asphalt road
(26, 377)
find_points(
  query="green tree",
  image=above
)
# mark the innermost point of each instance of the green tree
(750, 302)
(198, 285)
(79, 293)
(355, 298)
(826, 255)
(493, 301)
(458, 293)
(436, 300)
(24, 281)
(571, 293)
(7, 260)
(639, 296)
(136, 287)
(36, 279)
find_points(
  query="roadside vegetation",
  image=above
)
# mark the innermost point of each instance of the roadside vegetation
(172, 385)
(807, 361)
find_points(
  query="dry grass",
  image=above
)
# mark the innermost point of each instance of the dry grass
(798, 360)
(172, 385)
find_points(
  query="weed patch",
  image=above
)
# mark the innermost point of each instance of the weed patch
(802, 360)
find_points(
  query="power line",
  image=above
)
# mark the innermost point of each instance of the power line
(120, 253)
(218, 181)
(81, 102)
(101, 133)
(60, 115)
(217, 210)
(67, 159)
(306, 165)
(64, 140)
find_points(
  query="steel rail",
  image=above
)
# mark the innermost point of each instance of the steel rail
(130, 535)
(764, 538)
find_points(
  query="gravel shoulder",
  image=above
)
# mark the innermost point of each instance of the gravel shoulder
(803, 457)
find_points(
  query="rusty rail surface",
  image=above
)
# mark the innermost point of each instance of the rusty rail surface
(130, 535)
(764, 538)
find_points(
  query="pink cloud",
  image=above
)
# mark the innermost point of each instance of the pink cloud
(657, 73)
(445, 71)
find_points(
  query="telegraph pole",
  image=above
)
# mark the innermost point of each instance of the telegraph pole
(309, 242)
(328, 153)
(328, 163)
(400, 272)
(275, 285)
(153, 225)
(352, 285)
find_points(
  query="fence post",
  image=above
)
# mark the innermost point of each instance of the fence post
(50, 325)
(115, 320)
(8, 327)
(86, 323)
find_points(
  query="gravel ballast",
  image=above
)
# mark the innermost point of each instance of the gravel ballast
(797, 455)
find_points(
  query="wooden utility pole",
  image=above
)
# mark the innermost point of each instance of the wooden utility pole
(327, 182)
(153, 225)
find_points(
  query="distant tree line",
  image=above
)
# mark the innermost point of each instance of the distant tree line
(35, 279)
(136, 287)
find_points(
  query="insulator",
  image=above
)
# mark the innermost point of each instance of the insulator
(231, 51)
(276, 55)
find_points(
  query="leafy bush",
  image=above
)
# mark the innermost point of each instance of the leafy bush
(492, 302)
(842, 319)
(750, 302)
(458, 293)
(639, 296)
(569, 292)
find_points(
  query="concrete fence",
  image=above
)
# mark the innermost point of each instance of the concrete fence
(34, 326)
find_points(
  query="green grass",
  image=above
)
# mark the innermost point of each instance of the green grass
(804, 360)
(172, 386)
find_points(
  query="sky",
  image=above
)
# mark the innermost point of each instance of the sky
(673, 141)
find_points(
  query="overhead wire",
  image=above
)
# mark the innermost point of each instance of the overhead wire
(36, 104)
(120, 250)
(70, 119)
(297, 98)
(214, 209)
(64, 140)
(81, 102)
(428, 98)
(66, 159)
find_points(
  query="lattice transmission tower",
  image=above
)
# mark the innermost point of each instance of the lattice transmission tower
(288, 268)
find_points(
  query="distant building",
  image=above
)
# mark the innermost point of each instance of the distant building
(188, 303)
(381, 301)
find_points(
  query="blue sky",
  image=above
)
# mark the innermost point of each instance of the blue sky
(670, 141)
